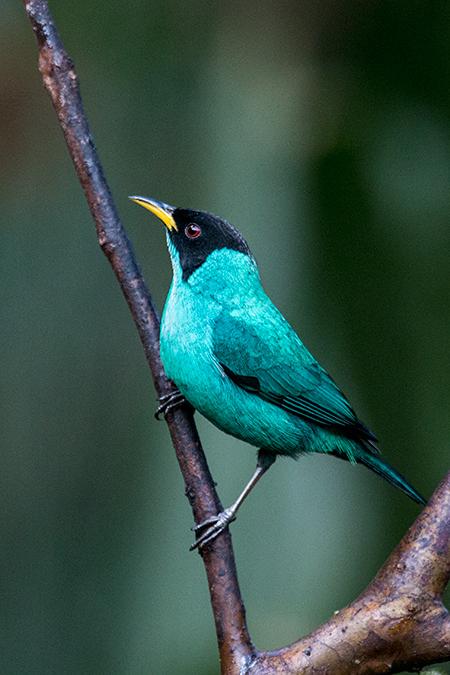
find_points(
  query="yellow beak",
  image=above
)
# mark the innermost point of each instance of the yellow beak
(163, 211)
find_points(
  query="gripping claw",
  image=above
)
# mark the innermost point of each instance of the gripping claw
(217, 524)
(170, 402)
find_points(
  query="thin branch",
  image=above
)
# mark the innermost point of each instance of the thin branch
(60, 79)
(399, 622)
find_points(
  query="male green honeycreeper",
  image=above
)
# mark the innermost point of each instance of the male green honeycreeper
(236, 359)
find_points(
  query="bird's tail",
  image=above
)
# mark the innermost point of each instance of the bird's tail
(383, 469)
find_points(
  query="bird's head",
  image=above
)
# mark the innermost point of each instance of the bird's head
(195, 235)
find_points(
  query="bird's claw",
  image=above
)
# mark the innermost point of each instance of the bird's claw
(170, 402)
(217, 525)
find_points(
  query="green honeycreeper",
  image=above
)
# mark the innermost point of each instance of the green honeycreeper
(236, 360)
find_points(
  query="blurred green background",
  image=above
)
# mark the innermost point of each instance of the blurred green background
(322, 132)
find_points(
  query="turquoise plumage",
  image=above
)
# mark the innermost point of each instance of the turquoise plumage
(236, 359)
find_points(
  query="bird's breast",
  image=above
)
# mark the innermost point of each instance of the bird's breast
(187, 345)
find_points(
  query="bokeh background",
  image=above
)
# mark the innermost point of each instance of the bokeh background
(321, 130)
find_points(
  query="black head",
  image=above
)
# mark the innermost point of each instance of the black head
(200, 233)
(195, 234)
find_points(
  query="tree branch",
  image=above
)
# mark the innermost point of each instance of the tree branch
(399, 622)
(58, 72)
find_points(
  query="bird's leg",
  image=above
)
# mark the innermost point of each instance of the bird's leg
(217, 524)
(170, 402)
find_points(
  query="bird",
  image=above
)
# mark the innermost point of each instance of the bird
(235, 358)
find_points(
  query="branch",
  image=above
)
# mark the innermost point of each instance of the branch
(58, 72)
(399, 622)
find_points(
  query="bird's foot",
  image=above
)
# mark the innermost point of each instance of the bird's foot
(217, 525)
(170, 402)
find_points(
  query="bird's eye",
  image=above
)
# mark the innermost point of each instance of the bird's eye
(193, 231)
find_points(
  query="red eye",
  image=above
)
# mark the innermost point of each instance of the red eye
(193, 231)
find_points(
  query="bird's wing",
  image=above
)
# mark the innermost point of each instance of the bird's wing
(263, 355)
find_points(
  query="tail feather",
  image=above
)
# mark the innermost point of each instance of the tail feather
(383, 469)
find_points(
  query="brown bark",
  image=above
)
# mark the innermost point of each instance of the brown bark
(399, 622)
